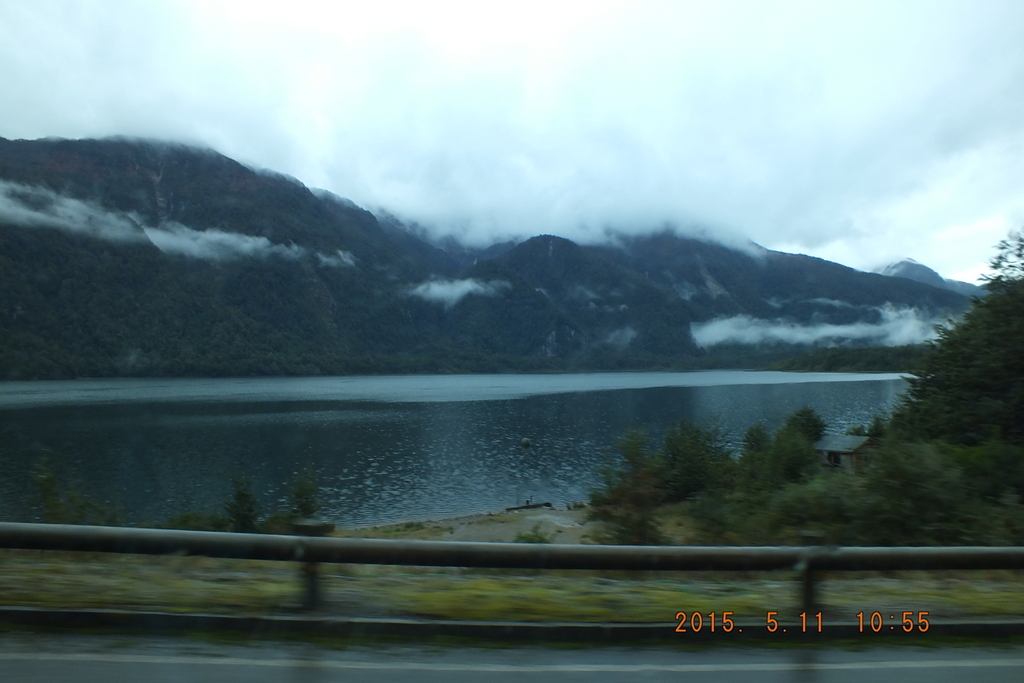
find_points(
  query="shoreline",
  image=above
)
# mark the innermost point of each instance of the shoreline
(558, 525)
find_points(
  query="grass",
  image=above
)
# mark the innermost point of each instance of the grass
(196, 584)
(408, 530)
(534, 535)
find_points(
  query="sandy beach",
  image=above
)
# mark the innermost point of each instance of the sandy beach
(558, 525)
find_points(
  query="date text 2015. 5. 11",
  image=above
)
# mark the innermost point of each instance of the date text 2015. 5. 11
(724, 622)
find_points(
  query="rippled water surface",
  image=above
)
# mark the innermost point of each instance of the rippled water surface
(384, 448)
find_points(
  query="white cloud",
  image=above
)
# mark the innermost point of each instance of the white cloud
(898, 326)
(341, 259)
(39, 207)
(862, 131)
(30, 206)
(215, 245)
(620, 338)
(450, 292)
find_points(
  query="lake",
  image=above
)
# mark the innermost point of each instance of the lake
(384, 449)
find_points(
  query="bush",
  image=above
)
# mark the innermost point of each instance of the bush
(694, 459)
(830, 505)
(534, 535)
(63, 503)
(913, 495)
(806, 422)
(243, 508)
(630, 494)
(993, 470)
(766, 464)
(304, 495)
(792, 457)
(198, 521)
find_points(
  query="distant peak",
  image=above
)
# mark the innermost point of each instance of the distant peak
(912, 270)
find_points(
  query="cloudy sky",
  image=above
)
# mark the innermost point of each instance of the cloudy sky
(859, 132)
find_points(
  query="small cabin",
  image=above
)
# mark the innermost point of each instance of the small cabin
(842, 450)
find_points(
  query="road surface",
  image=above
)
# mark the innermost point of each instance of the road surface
(127, 659)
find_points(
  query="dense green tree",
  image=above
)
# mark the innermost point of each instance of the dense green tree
(875, 430)
(756, 438)
(806, 422)
(914, 495)
(792, 457)
(694, 459)
(769, 462)
(971, 389)
(993, 470)
(909, 494)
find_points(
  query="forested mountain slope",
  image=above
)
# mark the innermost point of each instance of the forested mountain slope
(128, 257)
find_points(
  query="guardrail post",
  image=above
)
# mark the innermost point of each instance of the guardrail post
(808, 599)
(311, 570)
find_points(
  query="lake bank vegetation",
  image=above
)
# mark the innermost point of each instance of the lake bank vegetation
(869, 359)
(779, 490)
(947, 468)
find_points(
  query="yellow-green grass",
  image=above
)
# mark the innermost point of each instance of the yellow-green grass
(420, 531)
(194, 584)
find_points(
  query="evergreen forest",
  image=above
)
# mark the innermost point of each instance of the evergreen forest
(946, 468)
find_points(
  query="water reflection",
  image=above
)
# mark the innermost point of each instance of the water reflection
(381, 461)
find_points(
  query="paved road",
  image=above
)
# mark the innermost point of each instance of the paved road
(85, 659)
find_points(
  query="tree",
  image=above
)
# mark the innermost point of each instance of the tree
(766, 463)
(243, 508)
(971, 389)
(756, 439)
(806, 422)
(304, 495)
(913, 495)
(694, 459)
(792, 457)
(876, 430)
(630, 494)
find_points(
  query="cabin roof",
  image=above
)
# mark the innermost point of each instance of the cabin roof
(840, 443)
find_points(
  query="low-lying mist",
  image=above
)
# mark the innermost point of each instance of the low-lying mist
(897, 327)
(39, 207)
(450, 292)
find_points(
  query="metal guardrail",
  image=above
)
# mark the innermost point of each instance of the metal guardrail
(310, 550)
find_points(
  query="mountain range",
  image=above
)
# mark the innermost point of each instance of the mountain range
(912, 270)
(134, 257)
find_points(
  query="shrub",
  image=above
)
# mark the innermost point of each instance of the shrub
(630, 494)
(304, 495)
(534, 535)
(806, 422)
(913, 495)
(63, 503)
(243, 509)
(198, 521)
(694, 459)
